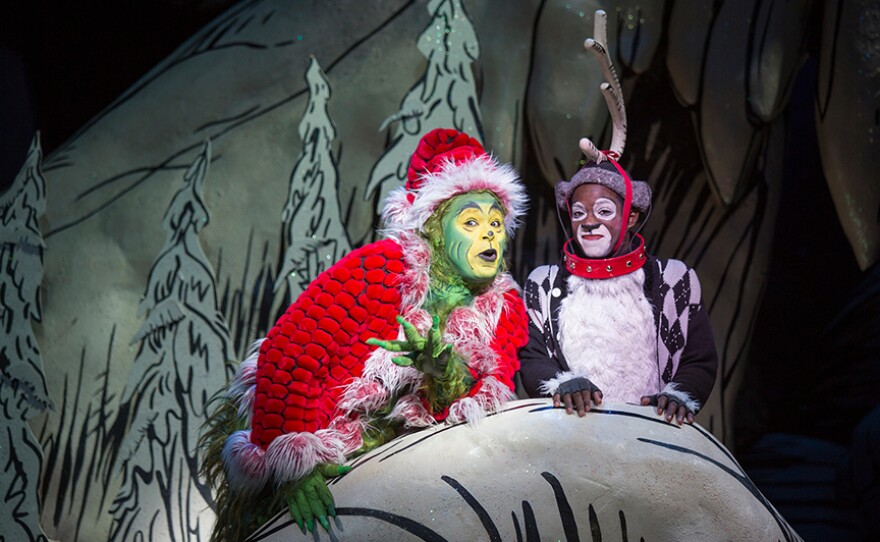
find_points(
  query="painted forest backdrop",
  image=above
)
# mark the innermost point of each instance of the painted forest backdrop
(142, 257)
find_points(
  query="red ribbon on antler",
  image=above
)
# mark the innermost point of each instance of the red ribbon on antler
(627, 201)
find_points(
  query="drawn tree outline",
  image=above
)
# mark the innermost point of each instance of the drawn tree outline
(181, 362)
(445, 96)
(23, 391)
(313, 236)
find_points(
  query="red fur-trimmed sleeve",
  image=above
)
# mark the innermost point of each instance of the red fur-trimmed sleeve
(316, 348)
(318, 344)
(511, 334)
(493, 367)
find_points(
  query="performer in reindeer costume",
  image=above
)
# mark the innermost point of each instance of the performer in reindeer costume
(419, 328)
(611, 322)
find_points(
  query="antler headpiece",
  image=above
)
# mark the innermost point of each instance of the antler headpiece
(635, 194)
(611, 90)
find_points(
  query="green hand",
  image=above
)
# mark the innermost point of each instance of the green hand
(427, 354)
(311, 498)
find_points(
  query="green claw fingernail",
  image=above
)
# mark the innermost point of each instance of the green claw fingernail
(324, 523)
(311, 525)
(344, 469)
(331, 511)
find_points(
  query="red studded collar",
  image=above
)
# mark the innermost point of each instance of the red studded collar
(605, 268)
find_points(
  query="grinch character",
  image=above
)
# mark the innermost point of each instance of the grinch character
(419, 328)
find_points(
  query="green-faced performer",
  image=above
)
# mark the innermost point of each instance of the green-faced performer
(419, 328)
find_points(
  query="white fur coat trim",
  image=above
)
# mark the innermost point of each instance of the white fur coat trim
(607, 334)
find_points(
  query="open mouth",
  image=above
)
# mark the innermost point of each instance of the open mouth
(489, 255)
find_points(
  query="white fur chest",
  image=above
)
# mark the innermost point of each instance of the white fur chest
(607, 334)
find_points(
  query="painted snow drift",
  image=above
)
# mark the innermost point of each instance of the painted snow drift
(531, 472)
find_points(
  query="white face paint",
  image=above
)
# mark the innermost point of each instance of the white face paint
(605, 209)
(594, 236)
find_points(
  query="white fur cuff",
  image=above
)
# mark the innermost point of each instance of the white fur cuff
(294, 455)
(550, 387)
(288, 458)
(681, 396)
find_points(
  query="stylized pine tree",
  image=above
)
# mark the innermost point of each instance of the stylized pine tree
(23, 392)
(314, 236)
(445, 96)
(184, 349)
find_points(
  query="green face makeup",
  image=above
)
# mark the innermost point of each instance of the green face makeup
(474, 236)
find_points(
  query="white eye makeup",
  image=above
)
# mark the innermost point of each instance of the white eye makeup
(577, 211)
(604, 209)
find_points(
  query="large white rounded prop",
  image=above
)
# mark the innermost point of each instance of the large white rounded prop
(534, 473)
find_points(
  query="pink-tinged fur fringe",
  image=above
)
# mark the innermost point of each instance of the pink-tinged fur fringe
(243, 385)
(245, 463)
(412, 412)
(490, 398)
(482, 173)
(395, 213)
(289, 457)
(415, 280)
(362, 395)
(349, 432)
(292, 456)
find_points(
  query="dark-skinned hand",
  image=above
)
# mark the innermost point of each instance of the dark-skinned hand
(311, 498)
(669, 407)
(577, 394)
(427, 354)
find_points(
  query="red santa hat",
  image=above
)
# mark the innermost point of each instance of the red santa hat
(447, 163)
